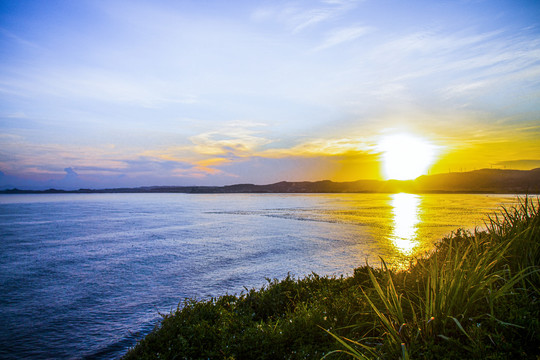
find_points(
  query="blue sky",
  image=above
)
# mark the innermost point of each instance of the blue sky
(132, 93)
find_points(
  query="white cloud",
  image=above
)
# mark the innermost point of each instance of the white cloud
(464, 88)
(17, 115)
(340, 36)
(19, 39)
(99, 84)
(298, 17)
(235, 139)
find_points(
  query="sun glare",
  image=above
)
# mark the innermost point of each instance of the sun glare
(405, 209)
(406, 156)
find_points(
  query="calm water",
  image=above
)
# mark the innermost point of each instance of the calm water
(84, 276)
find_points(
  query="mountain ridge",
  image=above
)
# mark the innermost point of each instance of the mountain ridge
(476, 181)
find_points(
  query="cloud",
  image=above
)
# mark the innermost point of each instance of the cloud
(474, 56)
(235, 139)
(310, 18)
(465, 88)
(237, 151)
(70, 174)
(19, 156)
(265, 170)
(18, 39)
(324, 147)
(97, 84)
(153, 165)
(300, 17)
(16, 115)
(340, 36)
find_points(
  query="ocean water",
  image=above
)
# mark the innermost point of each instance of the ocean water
(83, 276)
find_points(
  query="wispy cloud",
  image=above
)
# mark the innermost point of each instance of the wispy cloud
(18, 39)
(340, 36)
(236, 139)
(462, 68)
(18, 156)
(465, 88)
(300, 17)
(492, 52)
(324, 147)
(97, 84)
(16, 115)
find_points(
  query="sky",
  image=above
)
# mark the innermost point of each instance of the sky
(112, 93)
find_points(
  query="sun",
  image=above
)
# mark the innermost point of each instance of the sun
(406, 156)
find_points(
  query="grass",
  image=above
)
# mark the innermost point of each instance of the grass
(475, 296)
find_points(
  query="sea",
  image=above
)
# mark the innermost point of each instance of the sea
(84, 276)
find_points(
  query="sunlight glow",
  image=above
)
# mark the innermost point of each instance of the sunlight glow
(405, 156)
(405, 215)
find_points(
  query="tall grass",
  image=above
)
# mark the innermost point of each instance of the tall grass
(470, 281)
(476, 296)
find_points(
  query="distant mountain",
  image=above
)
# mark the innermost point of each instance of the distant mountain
(485, 180)
(478, 181)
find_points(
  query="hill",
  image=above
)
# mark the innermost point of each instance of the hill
(495, 181)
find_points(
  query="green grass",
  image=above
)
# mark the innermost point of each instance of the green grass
(476, 296)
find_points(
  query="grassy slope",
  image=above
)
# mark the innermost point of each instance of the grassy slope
(476, 296)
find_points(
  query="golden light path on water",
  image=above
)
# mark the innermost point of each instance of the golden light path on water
(405, 211)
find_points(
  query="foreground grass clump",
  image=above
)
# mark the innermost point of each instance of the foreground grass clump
(476, 296)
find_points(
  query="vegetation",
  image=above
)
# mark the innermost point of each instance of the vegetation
(476, 296)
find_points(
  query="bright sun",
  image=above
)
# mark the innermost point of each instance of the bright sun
(406, 156)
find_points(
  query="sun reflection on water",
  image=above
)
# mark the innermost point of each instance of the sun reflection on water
(405, 211)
